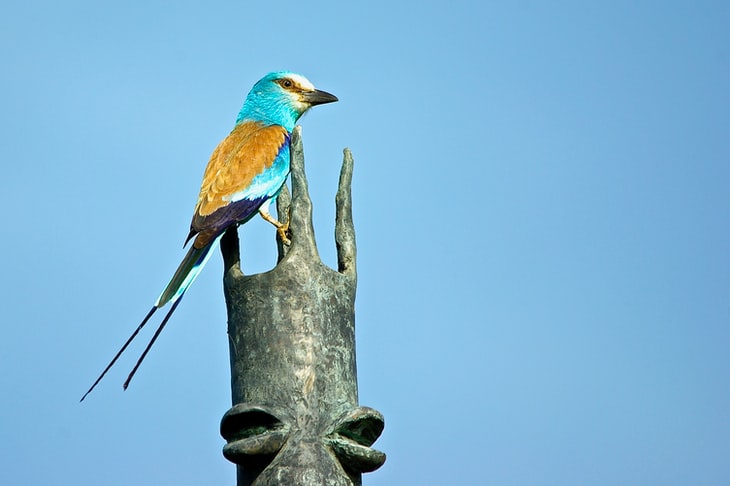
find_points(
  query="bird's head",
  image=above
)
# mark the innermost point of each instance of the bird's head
(280, 98)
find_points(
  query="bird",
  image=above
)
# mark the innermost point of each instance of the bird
(245, 173)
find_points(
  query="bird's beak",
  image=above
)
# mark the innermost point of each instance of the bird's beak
(318, 97)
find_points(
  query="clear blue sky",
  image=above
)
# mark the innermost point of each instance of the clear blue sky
(541, 193)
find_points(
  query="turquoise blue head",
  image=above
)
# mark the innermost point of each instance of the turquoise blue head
(280, 98)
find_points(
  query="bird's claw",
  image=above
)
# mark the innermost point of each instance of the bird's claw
(281, 228)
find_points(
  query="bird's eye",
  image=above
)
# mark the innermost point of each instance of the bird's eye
(287, 83)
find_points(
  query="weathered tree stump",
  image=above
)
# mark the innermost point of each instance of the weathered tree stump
(295, 418)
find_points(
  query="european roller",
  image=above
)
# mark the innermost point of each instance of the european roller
(246, 172)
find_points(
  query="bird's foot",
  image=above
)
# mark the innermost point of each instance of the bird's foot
(281, 228)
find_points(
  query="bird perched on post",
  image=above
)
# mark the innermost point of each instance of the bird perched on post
(244, 175)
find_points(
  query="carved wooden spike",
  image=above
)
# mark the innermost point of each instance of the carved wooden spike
(296, 418)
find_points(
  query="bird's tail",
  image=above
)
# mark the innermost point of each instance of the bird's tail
(186, 272)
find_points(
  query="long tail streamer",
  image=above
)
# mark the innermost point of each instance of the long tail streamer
(187, 271)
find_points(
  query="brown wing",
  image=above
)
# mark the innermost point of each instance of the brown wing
(250, 149)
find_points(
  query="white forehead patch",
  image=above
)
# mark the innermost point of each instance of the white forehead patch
(302, 82)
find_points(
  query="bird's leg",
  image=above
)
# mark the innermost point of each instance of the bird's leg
(281, 228)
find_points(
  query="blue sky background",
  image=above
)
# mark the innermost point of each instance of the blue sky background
(541, 199)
